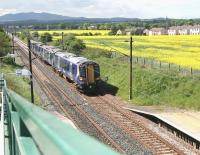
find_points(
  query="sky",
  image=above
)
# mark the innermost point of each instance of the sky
(106, 8)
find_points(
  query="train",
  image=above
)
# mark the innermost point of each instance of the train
(83, 72)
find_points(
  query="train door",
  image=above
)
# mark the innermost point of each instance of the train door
(51, 58)
(57, 62)
(90, 73)
(70, 71)
(74, 71)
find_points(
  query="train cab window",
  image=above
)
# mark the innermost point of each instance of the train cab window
(96, 70)
(82, 71)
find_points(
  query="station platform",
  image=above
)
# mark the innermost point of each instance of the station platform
(187, 122)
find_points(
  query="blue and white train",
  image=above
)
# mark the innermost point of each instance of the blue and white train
(82, 71)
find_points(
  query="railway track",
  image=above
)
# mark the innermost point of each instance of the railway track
(107, 108)
(126, 121)
(51, 88)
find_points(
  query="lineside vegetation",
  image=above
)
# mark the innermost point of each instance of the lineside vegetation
(151, 87)
(8, 68)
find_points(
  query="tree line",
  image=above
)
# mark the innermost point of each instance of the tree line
(70, 43)
(5, 46)
(145, 23)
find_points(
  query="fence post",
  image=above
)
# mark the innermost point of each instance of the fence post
(179, 68)
(131, 70)
(169, 66)
(144, 61)
(160, 64)
(63, 47)
(191, 71)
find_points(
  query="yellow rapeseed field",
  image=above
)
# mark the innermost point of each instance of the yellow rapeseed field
(181, 50)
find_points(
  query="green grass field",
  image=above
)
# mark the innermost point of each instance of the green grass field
(150, 86)
(18, 84)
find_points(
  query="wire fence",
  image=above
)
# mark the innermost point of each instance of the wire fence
(154, 82)
(156, 64)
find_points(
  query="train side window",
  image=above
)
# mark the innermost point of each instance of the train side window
(73, 69)
(67, 66)
(62, 64)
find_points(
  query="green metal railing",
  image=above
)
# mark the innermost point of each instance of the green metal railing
(33, 131)
(2, 82)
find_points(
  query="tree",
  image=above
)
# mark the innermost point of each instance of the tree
(23, 34)
(46, 37)
(57, 42)
(191, 22)
(35, 35)
(62, 26)
(85, 26)
(73, 45)
(114, 30)
(4, 44)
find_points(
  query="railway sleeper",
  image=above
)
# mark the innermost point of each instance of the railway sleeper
(152, 139)
(147, 135)
(168, 152)
(119, 117)
(159, 147)
(156, 146)
(147, 138)
(127, 122)
(137, 133)
(135, 129)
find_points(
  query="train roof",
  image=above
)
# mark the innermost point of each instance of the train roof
(51, 49)
(35, 42)
(56, 50)
(47, 47)
(67, 55)
(78, 60)
(60, 54)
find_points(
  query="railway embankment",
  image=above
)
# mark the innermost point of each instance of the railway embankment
(151, 86)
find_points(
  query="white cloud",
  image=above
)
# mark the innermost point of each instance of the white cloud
(108, 8)
(6, 11)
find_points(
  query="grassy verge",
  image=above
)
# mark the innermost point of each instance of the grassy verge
(150, 86)
(18, 84)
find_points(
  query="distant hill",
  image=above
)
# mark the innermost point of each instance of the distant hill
(32, 16)
(50, 18)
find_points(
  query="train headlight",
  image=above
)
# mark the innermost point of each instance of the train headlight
(81, 78)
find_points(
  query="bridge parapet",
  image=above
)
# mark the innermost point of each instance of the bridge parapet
(31, 130)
